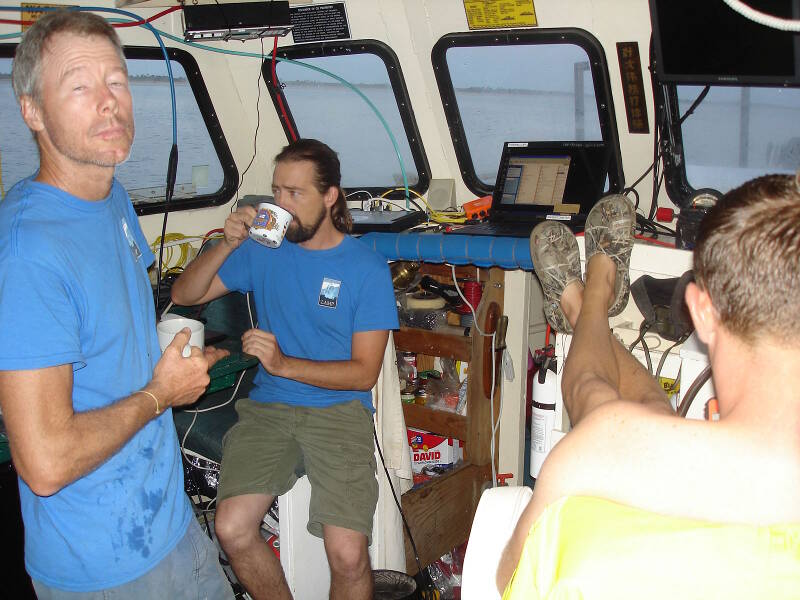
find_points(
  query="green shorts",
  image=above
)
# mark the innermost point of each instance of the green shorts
(273, 444)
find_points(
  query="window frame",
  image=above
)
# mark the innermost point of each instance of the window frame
(526, 37)
(220, 144)
(676, 181)
(396, 79)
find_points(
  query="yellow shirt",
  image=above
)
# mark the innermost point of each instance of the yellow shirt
(584, 548)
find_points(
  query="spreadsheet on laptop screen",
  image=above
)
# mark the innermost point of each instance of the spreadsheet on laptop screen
(537, 180)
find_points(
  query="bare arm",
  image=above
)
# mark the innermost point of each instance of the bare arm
(52, 445)
(199, 283)
(358, 373)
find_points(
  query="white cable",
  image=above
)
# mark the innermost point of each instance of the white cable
(763, 18)
(194, 419)
(184, 240)
(249, 310)
(494, 369)
(395, 204)
(166, 310)
(228, 401)
(491, 413)
(471, 308)
(209, 505)
(367, 192)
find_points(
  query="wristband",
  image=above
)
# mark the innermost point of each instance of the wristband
(153, 396)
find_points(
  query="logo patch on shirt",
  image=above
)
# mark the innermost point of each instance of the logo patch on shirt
(137, 254)
(329, 292)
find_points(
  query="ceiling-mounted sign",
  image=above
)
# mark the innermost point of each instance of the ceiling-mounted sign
(493, 14)
(319, 22)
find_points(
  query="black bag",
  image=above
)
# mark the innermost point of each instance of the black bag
(661, 302)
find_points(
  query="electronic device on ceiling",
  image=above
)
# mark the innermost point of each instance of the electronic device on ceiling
(707, 43)
(236, 20)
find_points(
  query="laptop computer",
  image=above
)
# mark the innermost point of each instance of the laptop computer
(546, 180)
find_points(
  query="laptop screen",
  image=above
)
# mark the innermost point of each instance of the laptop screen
(550, 177)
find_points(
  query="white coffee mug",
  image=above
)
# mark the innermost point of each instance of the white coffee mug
(270, 225)
(171, 325)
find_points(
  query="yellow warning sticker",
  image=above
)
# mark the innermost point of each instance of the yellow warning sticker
(30, 14)
(492, 14)
(670, 386)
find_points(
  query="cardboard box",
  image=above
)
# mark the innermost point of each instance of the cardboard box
(430, 449)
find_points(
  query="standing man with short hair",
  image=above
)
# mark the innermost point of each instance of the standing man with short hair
(325, 303)
(84, 389)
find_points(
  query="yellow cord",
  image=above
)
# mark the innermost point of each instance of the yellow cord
(169, 251)
(437, 216)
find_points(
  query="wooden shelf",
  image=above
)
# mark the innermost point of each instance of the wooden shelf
(432, 343)
(440, 512)
(448, 424)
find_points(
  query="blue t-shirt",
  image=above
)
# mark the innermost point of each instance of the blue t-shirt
(313, 301)
(74, 290)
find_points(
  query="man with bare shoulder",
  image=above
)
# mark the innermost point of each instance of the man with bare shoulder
(84, 389)
(636, 502)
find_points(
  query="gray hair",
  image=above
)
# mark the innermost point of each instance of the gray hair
(27, 65)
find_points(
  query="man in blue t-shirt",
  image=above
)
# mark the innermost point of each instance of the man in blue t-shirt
(86, 395)
(325, 304)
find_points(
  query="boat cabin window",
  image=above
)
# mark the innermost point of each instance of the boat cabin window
(733, 134)
(206, 172)
(543, 85)
(352, 96)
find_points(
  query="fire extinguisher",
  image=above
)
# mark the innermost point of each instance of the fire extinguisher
(543, 413)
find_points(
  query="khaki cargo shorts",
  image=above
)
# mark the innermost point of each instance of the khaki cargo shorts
(273, 444)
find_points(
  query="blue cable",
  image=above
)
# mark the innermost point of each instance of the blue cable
(127, 14)
(319, 70)
(163, 51)
(158, 34)
(172, 165)
(374, 109)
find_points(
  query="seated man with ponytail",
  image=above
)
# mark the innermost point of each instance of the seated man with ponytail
(325, 305)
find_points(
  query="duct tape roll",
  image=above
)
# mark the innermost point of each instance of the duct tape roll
(424, 301)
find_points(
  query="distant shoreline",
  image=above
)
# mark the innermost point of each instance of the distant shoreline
(132, 78)
(155, 78)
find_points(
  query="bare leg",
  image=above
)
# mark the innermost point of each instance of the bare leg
(595, 354)
(238, 524)
(351, 575)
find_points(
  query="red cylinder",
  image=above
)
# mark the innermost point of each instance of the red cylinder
(472, 291)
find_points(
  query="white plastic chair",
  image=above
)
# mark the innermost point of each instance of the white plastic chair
(498, 511)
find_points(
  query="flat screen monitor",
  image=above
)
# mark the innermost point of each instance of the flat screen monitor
(705, 42)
